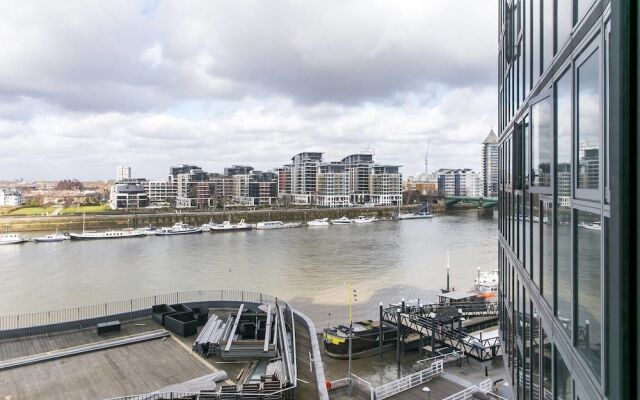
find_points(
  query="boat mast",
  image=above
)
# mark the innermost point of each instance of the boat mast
(84, 215)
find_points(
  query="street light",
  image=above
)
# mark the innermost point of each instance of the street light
(426, 389)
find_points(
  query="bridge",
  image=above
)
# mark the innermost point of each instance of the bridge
(480, 202)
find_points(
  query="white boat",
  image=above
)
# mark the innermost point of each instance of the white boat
(277, 225)
(148, 230)
(361, 219)
(341, 221)
(206, 227)
(11, 238)
(179, 228)
(90, 235)
(319, 222)
(227, 226)
(54, 237)
(487, 281)
(593, 226)
(418, 215)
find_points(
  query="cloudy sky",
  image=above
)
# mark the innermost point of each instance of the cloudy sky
(88, 85)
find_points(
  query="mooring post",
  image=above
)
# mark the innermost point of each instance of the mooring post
(380, 337)
(398, 338)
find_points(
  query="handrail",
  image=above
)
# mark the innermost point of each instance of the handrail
(407, 382)
(125, 309)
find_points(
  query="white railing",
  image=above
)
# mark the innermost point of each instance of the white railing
(408, 382)
(466, 394)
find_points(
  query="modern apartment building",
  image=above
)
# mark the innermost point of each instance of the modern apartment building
(123, 172)
(490, 165)
(304, 173)
(160, 192)
(358, 167)
(128, 194)
(567, 190)
(11, 198)
(195, 189)
(459, 182)
(333, 185)
(385, 185)
(284, 180)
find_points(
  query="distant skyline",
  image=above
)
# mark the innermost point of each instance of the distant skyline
(88, 86)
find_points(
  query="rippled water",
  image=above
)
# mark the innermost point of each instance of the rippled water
(307, 266)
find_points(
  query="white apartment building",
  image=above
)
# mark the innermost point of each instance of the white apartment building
(123, 173)
(333, 186)
(128, 195)
(385, 185)
(459, 182)
(490, 165)
(11, 198)
(160, 191)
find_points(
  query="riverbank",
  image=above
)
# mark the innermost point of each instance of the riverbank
(69, 223)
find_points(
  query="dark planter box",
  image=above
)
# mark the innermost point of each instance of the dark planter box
(182, 324)
(160, 312)
(201, 313)
(181, 308)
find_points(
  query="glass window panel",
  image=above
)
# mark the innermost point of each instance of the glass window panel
(547, 33)
(588, 129)
(563, 383)
(564, 15)
(535, 41)
(526, 342)
(524, 233)
(547, 251)
(605, 151)
(547, 359)
(535, 355)
(563, 143)
(582, 6)
(589, 283)
(534, 258)
(541, 143)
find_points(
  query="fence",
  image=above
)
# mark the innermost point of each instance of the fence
(408, 382)
(281, 394)
(15, 326)
(465, 394)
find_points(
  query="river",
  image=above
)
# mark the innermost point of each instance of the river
(309, 267)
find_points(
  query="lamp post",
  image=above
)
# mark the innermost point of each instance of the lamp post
(447, 270)
(352, 296)
(428, 391)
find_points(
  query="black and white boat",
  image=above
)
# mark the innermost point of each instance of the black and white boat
(418, 215)
(179, 228)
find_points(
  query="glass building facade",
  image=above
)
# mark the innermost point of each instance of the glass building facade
(567, 202)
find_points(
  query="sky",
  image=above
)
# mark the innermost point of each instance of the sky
(86, 86)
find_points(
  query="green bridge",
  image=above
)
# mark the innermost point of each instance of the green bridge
(480, 202)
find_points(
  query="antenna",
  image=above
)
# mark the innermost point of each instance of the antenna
(426, 159)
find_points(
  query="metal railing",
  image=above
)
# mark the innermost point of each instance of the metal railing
(407, 382)
(465, 394)
(280, 394)
(43, 322)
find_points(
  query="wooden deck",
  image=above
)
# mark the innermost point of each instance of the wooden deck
(14, 348)
(133, 369)
(307, 387)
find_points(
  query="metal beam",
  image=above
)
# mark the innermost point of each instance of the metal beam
(235, 326)
(267, 333)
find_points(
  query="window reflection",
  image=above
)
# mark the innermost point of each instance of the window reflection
(564, 386)
(547, 251)
(589, 281)
(547, 359)
(564, 16)
(588, 129)
(547, 33)
(541, 143)
(535, 239)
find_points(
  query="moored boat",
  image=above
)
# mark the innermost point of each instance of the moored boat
(592, 226)
(361, 219)
(179, 228)
(54, 237)
(341, 221)
(277, 225)
(148, 230)
(418, 215)
(319, 222)
(227, 226)
(364, 340)
(11, 238)
(89, 235)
